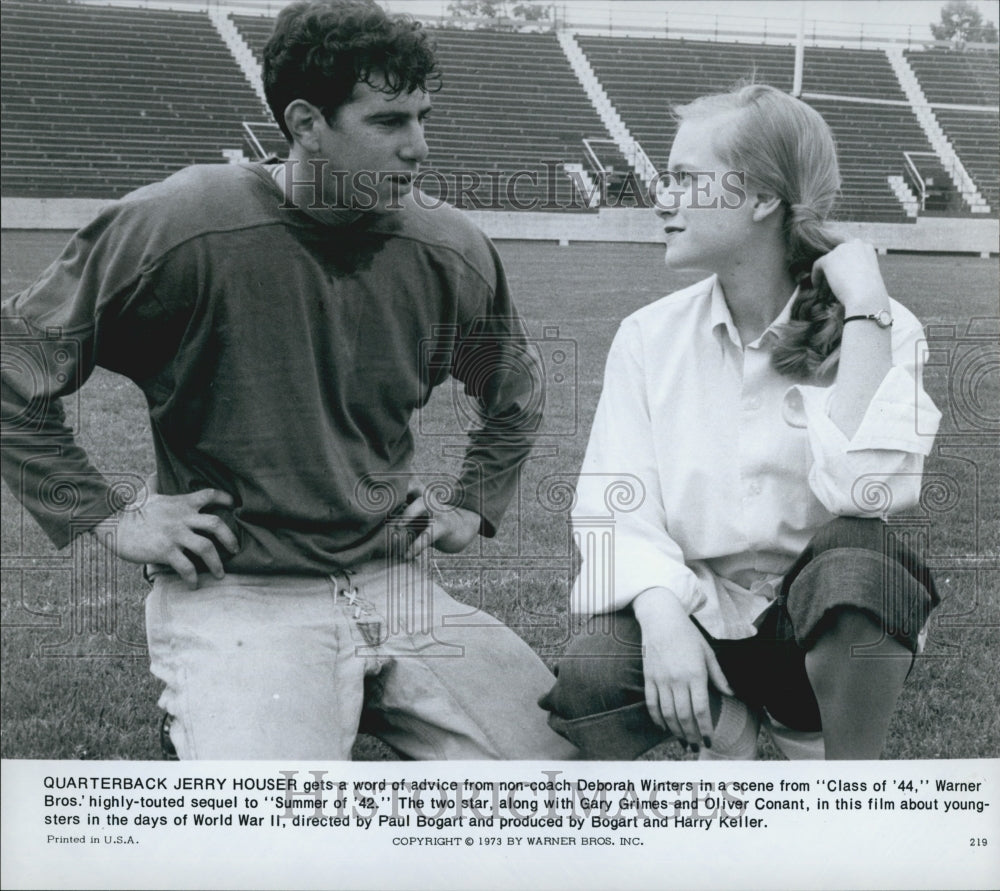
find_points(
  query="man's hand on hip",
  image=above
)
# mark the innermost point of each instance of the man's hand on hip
(449, 531)
(171, 529)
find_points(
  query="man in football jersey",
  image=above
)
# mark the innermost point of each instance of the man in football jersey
(284, 321)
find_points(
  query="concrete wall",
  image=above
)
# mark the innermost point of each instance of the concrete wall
(932, 234)
(49, 213)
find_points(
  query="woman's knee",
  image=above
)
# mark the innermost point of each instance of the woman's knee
(870, 535)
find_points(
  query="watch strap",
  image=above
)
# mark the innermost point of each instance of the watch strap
(883, 319)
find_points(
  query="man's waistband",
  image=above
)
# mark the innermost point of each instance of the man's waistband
(342, 577)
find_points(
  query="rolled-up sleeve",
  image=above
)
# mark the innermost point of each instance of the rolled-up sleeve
(619, 520)
(878, 470)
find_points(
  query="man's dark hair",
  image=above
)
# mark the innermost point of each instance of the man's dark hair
(321, 48)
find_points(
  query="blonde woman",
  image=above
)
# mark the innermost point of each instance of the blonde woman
(757, 415)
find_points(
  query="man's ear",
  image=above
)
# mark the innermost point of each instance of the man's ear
(301, 118)
(764, 204)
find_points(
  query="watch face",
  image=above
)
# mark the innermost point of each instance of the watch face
(883, 318)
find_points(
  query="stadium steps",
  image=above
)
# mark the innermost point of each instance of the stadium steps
(871, 140)
(905, 195)
(628, 145)
(951, 77)
(241, 52)
(522, 89)
(950, 160)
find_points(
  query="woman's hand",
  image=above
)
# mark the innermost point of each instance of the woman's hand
(678, 664)
(852, 272)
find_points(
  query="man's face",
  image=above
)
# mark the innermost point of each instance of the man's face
(373, 147)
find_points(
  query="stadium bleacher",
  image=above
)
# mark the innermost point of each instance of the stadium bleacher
(850, 72)
(98, 100)
(966, 78)
(957, 78)
(870, 139)
(976, 138)
(645, 77)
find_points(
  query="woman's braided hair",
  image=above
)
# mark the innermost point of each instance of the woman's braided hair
(785, 148)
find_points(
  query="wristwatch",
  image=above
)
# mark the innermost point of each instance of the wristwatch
(882, 318)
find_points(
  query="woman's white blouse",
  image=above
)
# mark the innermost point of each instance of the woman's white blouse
(707, 472)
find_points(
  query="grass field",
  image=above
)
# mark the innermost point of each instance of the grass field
(75, 682)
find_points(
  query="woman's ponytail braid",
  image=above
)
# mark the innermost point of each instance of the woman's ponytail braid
(809, 343)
